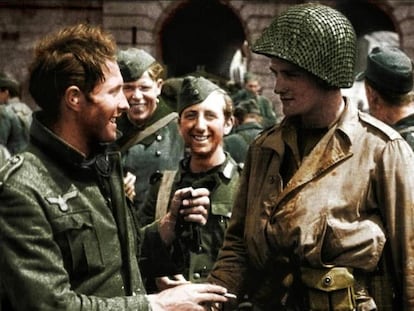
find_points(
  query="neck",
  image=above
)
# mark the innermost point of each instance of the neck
(395, 114)
(70, 135)
(329, 110)
(201, 163)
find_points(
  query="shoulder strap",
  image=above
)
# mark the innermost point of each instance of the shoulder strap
(12, 164)
(164, 193)
(149, 130)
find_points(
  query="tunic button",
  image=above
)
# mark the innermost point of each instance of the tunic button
(327, 281)
(158, 153)
(196, 276)
(159, 137)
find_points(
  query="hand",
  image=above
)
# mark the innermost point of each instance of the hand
(187, 297)
(196, 203)
(165, 282)
(129, 185)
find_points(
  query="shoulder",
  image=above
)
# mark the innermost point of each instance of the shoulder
(378, 125)
(12, 165)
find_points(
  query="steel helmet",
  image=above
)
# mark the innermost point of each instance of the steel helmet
(316, 38)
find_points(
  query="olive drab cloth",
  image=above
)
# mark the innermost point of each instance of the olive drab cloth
(68, 238)
(222, 181)
(352, 192)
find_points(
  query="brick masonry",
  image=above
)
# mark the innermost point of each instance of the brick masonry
(140, 23)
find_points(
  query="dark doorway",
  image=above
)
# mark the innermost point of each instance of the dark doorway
(201, 35)
(366, 17)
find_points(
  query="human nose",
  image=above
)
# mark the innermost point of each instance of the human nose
(137, 94)
(201, 122)
(123, 104)
(280, 86)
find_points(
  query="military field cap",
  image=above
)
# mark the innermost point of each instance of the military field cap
(314, 37)
(194, 90)
(248, 76)
(133, 63)
(8, 82)
(247, 106)
(389, 70)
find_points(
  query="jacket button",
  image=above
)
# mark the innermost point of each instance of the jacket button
(158, 153)
(158, 138)
(196, 276)
(327, 281)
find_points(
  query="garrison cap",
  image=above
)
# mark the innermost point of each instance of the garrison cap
(314, 37)
(194, 90)
(389, 70)
(247, 106)
(133, 63)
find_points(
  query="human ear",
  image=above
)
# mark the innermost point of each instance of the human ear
(72, 97)
(228, 125)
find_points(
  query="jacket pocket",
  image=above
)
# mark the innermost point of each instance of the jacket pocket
(77, 238)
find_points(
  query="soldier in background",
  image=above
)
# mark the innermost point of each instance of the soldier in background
(150, 140)
(247, 127)
(389, 89)
(205, 117)
(15, 116)
(252, 90)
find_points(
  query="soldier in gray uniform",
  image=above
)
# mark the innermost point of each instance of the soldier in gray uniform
(68, 238)
(205, 117)
(150, 141)
(324, 217)
(247, 127)
(389, 89)
(15, 116)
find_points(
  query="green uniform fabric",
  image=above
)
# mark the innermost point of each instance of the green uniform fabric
(405, 127)
(351, 192)
(265, 106)
(68, 238)
(222, 181)
(13, 133)
(157, 152)
(237, 143)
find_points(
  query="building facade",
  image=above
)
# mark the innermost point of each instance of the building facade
(187, 35)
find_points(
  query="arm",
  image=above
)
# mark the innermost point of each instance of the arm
(231, 265)
(31, 263)
(395, 184)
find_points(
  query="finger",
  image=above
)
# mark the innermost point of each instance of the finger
(198, 192)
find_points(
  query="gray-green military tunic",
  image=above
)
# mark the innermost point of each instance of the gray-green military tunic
(161, 150)
(405, 127)
(222, 181)
(68, 240)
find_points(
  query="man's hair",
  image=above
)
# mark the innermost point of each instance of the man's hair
(75, 55)
(228, 107)
(156, 71)
(391, 99)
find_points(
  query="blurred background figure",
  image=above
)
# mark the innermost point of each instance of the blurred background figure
(389, 89)
(252, 89)
(247, 126)
(15, 116)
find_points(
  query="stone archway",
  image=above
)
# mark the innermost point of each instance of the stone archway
(200, 35)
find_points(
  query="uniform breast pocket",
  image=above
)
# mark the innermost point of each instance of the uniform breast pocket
(77, 238)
